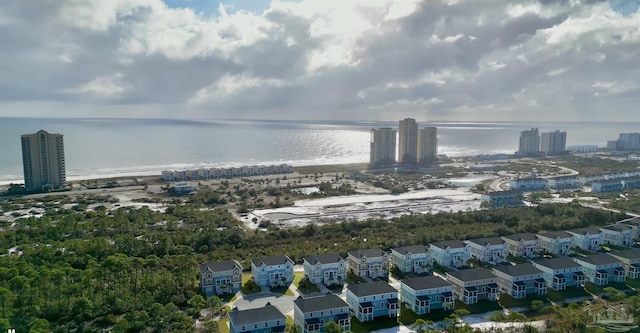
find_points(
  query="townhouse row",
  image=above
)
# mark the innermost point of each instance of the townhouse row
(422, 295)
(622, 180)
(215, 173)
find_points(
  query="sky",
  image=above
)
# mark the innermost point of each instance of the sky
(455, 60)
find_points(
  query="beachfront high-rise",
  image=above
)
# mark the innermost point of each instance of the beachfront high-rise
(529, 142)
(43, 161)
(553, 142)
(383, 147)
(428, 145)
(408, 141)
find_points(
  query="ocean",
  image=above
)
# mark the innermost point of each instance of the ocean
(126, 147)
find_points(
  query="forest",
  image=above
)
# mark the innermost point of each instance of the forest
(135, 269)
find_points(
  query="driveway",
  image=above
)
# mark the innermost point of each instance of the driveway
(284, 303)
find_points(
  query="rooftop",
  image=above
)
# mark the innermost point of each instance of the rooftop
(526, 236)
(472, 274)
(427, 282)
(371, 288)
(220, 266)
(368, 253)
(257, 315)
(519, 269)
(556, 234)
(413, 249)
(632, 221)
(598, 259)
(454, 244)
(323, 258)
(617, 227)
(271, 260)
(487, 241)
(325, 302)
(558, 263)
(627, 254)
(584, 231)
(498, 193)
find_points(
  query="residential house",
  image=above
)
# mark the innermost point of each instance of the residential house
(427, 293)
(267, 319)
(473, 285)
(528, 184)
(618, 234)
(223, 277)
(601, 268)
(272, 271)
(411, 259)
(368, 263)
(562, 182)
(370, 300)
(556, 242)
(523, 245)
(520, 280)
(560, 273)
(310, 314)
(631, 183)
(634, 223)
(630, 261)
(587, 239)
(607, 186)
(328, 269)
(451, 253)
(491, 250)
(502, 199)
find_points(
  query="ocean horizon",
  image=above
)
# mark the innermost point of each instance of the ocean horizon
(119, 147)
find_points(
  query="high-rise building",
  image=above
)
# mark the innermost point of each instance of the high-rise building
(43, 161)
(553, 142)
(428, 145)
(529, 142)
(383, 147)
(629, 141)
(408, 141)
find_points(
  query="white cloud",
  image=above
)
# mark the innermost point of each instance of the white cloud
(109, 86)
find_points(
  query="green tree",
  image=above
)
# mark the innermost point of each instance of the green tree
(332, 327)
(39, 325)
(196, 304)
(422, 326)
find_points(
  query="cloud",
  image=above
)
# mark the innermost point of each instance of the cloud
(316, 59)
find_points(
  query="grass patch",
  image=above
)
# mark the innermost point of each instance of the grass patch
(246, 277)
(595, 289)
(517, 260)
(397, 274)
(223, 325)
(282, 290)
(248, 286)
(561, 295)
(509, 302)
(226, 298)
(289, 321)
(374, 325)
(480, 307)
(336, 288)
(633, 283)
(352, 278)
(408, 317)
(303, 285)
(440, 269)
(297, 277)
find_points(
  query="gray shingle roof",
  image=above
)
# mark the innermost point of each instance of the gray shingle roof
(632, 221)
(617, 227)
(413, 249)
(627, 254)
(519, 269)
(368, 253)
(556, 234)
(271, 260)
(521, 236)
(371, 288)
(325, 302)
(584, 231)
(426, 282)
(599, 259)
(257, 315)
(323, 258)
(558, 263)
(220, 266)
(454, 244)
(472, 274)
(487, 240)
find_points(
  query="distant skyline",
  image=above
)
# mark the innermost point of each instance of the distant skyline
(446, 60)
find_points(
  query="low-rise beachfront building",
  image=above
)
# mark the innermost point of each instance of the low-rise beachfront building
(411, 259)
(374, 299)
(587, 239)
(183, 188)
(618, 235)
(634, 223)
(328, 269)
(272, 271)
(267, 319)
(222, 277)
(631, 183)
(601, 268)
(528, 184)
(561, 273)
(192, 174)
(562, 182)
(491, 250)
(204, 174)
(523, 245)
(427, 293)
(369, 263)
(167, 176)
(473, 285)
(607, 186)
(227, 172)
(215, 173)
(520, 280)
(311, 314)
(451, 253)
(556, 242)
(630, 261)
(502, 199)
(180, 175)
